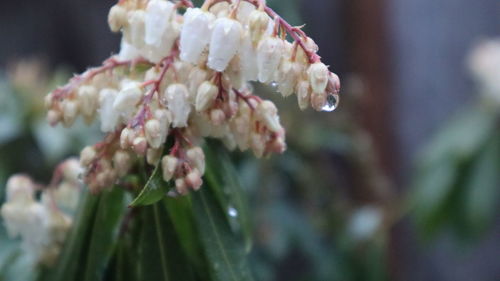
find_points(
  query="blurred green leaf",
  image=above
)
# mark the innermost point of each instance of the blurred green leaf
(154, 190)
(226, 256)
(105, 228)
(483, 186)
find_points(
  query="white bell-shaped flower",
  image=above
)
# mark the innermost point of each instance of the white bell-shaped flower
(157, 19)
(127, 99)
(177, 97)
(248, 54)
(269, 55)
(224, 44)
(195, 34)
(109, 116)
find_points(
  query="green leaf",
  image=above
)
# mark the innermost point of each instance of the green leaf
(74, 249)
(227, 258)
(223, 180)
(92, 238)
(110, 212)
(155, 190)
(483, 186)
(431, 191)
(160, 254)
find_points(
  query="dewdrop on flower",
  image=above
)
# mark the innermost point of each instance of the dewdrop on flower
(195, 34)
(224, 43)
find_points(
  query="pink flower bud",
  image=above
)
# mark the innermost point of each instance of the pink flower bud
(196, 157)
(193, 179)
(140, 145)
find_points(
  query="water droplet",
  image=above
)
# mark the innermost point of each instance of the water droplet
(332, 102)
(274, 85)
(232, 212)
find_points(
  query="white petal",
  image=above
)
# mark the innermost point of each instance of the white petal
(195, 34)
(157, 19)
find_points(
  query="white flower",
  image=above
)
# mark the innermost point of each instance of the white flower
(128, 52)
(20, 188)
(157, 18)
(169, 166)
(268, 115)
(248, 62)
(195, 34)
(207, 93)
(127, 99)
(318, 77)
(269, 55)
(224, 43)
(177, 96)
(135, 31)
(88, 97)
(109, 116)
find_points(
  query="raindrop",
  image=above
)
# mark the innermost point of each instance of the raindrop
(232, 212)
(332, 102)
(274, 85)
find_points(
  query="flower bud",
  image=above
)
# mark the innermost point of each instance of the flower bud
(318, 77)
(181, 186)
(224, 43)
(195, 34)
(177, 96)
(126, 138)
(87, 155)
(258, 145)
(20, 188)
(169, 167)
(217, 117)
(54, 117)
(117, 17)
(196, 157)
(248, 62)
(122, 162)
(109, 117)
(70, 112)
(153, 156)
(157, 18)
(136, 28)
(318, 101)
(89, 98)
(205, 98)
(258, 23)
(269, 55)
(127, 99)
(303, 94)
(72, 169)
(193, 179)
(196, 77)
(152, 131)
(288, 74)
(140, 145)
(268, 115)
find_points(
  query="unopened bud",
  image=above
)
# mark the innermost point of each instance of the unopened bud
(87, 155)
(207, 93)
(152, 130)
(117, 18)
(318, 101)
(258, 23)
(53, 117)
(70, 112)
(181, 186)
(217, 117)
(303, 94)
(122, 162)
(318, 77)
(153, 156)
(196, 157)
(20, 188)
(193, 179)
(169, 167)
(140, 145)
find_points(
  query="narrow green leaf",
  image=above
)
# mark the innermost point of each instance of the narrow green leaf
(223, 179)
(73, 254)
(227, 258)
(110, 212)
(154, 190)
(483, 187)
(161, 256)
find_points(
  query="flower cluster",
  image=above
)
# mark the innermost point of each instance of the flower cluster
(41, 224)
(484, 63)
(184, 73)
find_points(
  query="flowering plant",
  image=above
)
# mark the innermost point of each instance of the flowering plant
(182, 74)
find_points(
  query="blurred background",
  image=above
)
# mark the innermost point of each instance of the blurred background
(401, 182)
